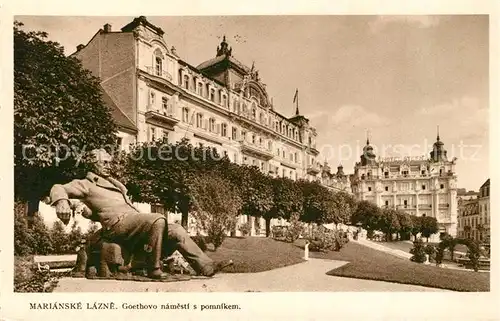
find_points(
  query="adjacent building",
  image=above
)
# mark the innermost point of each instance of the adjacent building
(421, 186)
(474, 215)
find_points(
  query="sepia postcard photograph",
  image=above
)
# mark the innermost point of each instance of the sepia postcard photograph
(328, 155)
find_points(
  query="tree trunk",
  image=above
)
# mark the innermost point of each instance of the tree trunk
(33, 208)
(268, 227)
(184, 218)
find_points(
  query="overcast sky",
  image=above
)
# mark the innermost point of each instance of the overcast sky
(398, 77)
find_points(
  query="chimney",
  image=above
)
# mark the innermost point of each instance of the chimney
(107, 28)
(79, 47)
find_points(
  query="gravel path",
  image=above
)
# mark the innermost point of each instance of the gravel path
(309, 276)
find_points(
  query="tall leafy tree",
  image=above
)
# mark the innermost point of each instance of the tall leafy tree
(287, 200)
(429, 226)
(405, 223)
(58, 114)
(368, 215)
(318, 203)
(389, 222)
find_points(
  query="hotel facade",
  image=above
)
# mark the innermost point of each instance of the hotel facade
(474, 215)
(421, 186)
(221, 103)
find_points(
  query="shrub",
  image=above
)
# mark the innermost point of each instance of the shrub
(323, 240)
(430, 250)
(418, 251)
(27, 277)
(245, 228)
(473, 253)
(295, 229)
(439, 255)
(279, 232)
(200, 241)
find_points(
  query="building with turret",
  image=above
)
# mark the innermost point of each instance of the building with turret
(338, 181)
(421, 186)
(221, 103)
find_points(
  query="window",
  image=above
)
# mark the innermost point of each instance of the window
(234, 133)
(291, 157)
(119, 141)
(369, 189)
(291, 174)
(283, 154)
(236, 108)
(270, 145)
(386, 174)
(200, 89)
(405, 203)
(224, 130)
(423, 187)
(296, 158)
(164, 105)
(362, 176)
(261, 166)
(212, 125)
(212, 94)
(387, 188)
(199, 120)
(165, 135)
(158, 62)
(185, 114)
(152, 134)
(158, 66)
(254, 113)
(261, 118)
(260, 141)
(283, 172)
(442, 186)
(423, 172)
(405, 173)
(224, 101)
(244, 135)
(386, 203)
(186, 81)
(253, 138)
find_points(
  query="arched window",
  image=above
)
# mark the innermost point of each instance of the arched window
(158, 61)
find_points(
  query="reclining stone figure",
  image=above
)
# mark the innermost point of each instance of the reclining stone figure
(127, 237)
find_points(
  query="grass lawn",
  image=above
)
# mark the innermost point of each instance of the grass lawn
(368, 263)
(256, 254)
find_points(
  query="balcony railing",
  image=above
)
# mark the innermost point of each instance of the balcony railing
(313, 169)
(165, 115)
(159, 73)
(424, 206)
(443, 206)
(401, 207)
(255, 149)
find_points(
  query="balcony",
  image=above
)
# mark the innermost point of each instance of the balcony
(254, 149)
(313, 169)
(444, 206)
(288, 163)
(405, 207)
(165, 116)
(424, 206)
(161, 74)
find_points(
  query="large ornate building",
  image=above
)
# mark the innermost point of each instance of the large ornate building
(422, 186)
(221, 103)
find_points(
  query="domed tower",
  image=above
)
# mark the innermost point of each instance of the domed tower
(223, 49)
(438, 154)
(340, 171)
(368, 157)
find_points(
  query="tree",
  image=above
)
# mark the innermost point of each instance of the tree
(344, 206)
(33, 239)
(60, 239)
(368, 215)
(287, 200)
(416, 225)
(58, 114)
(406, 225)
(319, 205)
(429, 226)
(75, 236)
(389, 222)
(255, 190)
(215, 206)
(161, 173)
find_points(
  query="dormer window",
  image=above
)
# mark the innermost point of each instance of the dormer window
(186, 81)
(212, 94)
(200, 89)
(261, 118)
